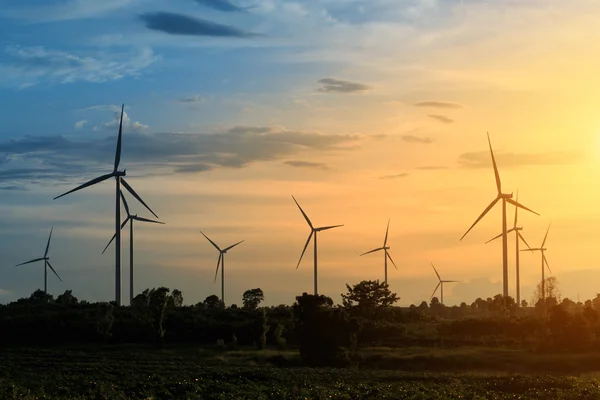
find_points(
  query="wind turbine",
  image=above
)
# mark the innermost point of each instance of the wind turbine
(314, 231)
(47, 264)
(439, 285)
(221, 261)
(130, 218)
(505, 197)
(385, 249)
(517, 230)
(119, 178)
(542, 249)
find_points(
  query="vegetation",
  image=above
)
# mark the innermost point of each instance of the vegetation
(159, 348)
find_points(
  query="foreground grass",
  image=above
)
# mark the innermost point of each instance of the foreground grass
(194, 374)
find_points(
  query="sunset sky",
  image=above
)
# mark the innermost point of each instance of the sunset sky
(363, 110)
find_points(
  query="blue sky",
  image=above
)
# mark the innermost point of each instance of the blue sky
(231, 107)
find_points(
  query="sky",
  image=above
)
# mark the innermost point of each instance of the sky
(363, 110)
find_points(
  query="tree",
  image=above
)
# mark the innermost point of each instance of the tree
(104, 320)
(252, 298)
(551, 290)
(366, 296)
(212, 301)
(152, 305)
(67, 298)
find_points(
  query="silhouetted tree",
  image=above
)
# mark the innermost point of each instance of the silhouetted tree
(551, 290)
(212, 302)
(104, 320)
(252, 298)
(152, 305)
(367, 296)
(66, 298)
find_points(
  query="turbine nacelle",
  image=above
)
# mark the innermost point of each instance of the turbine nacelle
(120, 173)
(505, 195)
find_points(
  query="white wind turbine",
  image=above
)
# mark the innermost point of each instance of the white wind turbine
(517, 230)
(46, 261)
(130, 218)
(439, 285)
(505, 197)
(221, 261)
(314, 231)
(119, 178)
(385, 249)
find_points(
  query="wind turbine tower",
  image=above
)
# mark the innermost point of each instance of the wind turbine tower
(221, 261)
(46, 261)
(439, 285)
(386, 254)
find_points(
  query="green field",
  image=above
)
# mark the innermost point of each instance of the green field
(195, 373)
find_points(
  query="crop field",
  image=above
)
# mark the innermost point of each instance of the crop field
(129, 374)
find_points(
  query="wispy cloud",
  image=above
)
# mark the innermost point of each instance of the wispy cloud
(80, 124)
(340, 86)
(220, 5)
(441, 118)
(438, 104)
(417, 139)
(307, 164)
(396, 176)
(66, 10)
(113, 124)
(28, 66)
(431, 167)
(482, 159)
(236, 147)
(191, 99)
(178, 24)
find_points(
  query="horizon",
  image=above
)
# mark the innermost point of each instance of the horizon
(223, 124)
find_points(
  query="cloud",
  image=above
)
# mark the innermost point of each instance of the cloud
(438, 104)
(80, 124)
(417, 139)
(13, 188)
(482, 159)
(28, 66)
(403, 175)
(113, 124)
(67, 10)
(177, 24)
(307, 164)
(220, 5)
(191, 99)
(441, 118)
(431, 167)
(336, 85)
(57, 158)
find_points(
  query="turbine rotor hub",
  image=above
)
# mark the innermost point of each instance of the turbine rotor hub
(120, 173)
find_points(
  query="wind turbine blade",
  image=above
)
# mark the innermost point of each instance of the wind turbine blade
(516, 210)
(492, 204)
(546, 236)
(218, 264)
(390, 257)
(115, 234)
(50, 265)
(118, 152)
(48, 244)
(31, 261)
(324, 228)
(438, 275)
(523, 239)
(517, 204)
(303, 213)
(530, 249)
(372, 251)
(546, 261)
(90, 183)
(213, 243)
(386, 233)
(233, 245)
(500, 235)
(305, 246)
(134, 194)
(498, 184)
(435, 290)
(450, 281)
(124, 201)
(147, 220)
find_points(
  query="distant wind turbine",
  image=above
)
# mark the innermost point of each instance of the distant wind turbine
(505, 197)
(314, 231)
(130, 218)
(47, 264)
(221, 261)
(119, 178)
(439, 285)
(517, 230)
(542, 249)
(385, 249)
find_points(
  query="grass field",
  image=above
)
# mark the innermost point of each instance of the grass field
(193, 373)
